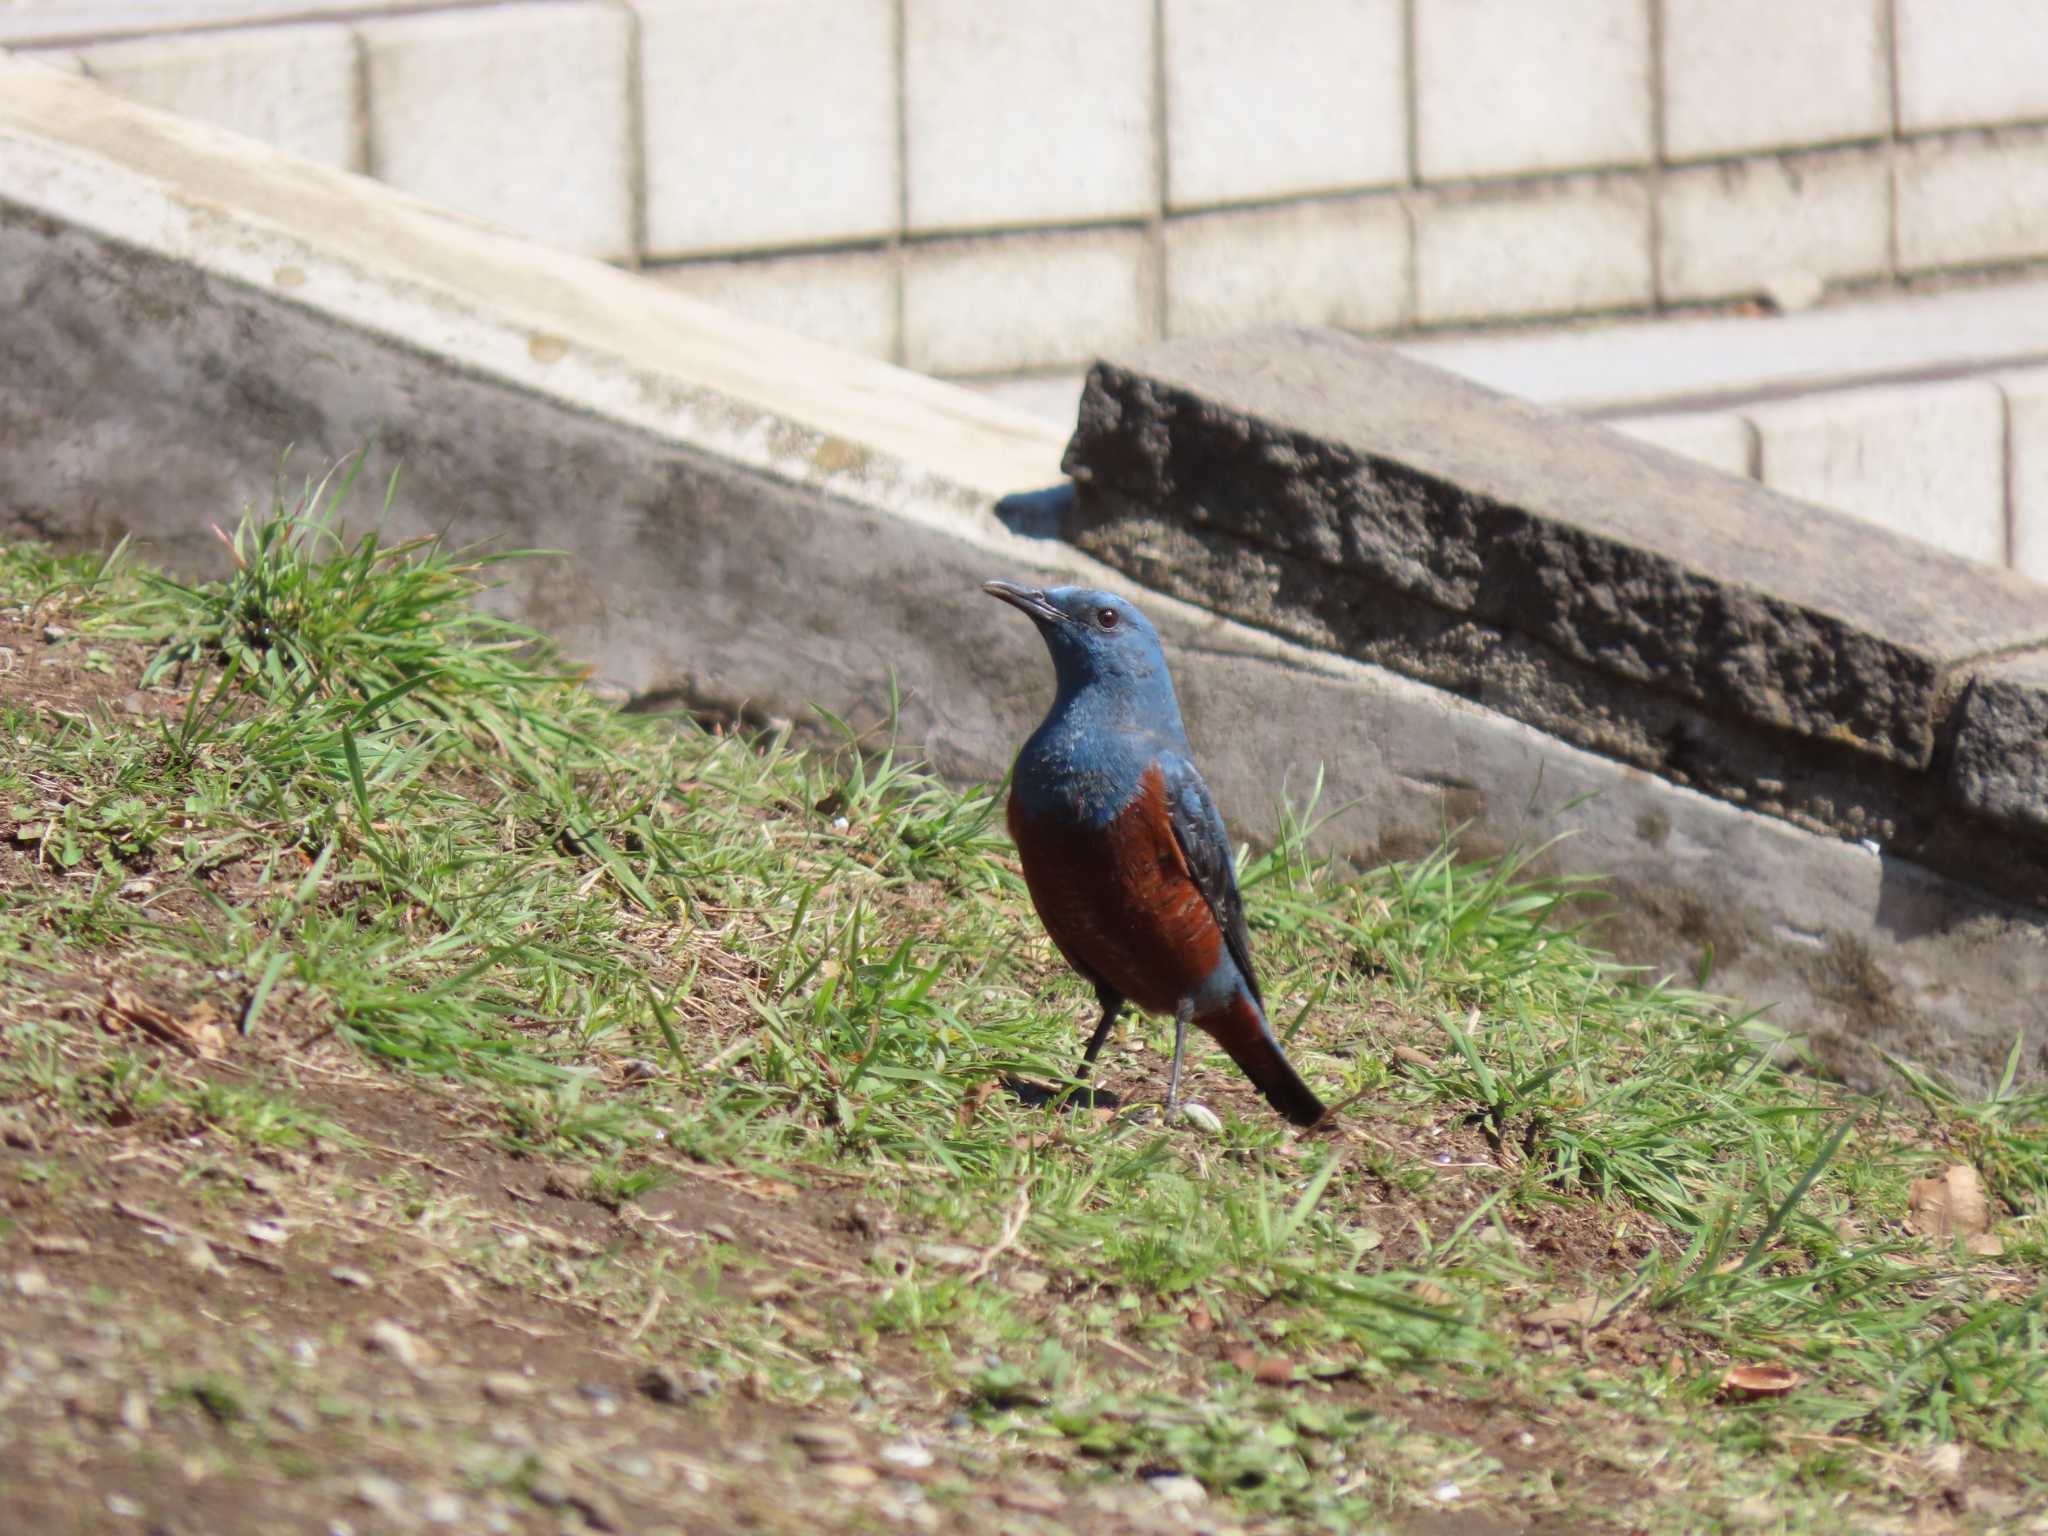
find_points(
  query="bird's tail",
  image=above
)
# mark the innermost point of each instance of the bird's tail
(1239, 1026)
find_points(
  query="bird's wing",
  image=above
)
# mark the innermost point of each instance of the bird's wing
(1198, 828)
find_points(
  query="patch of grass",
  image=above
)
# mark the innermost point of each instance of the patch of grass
(653, 947)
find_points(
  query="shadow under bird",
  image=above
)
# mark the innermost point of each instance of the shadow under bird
(1124, 851)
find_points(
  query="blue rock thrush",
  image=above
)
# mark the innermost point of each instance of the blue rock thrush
(1124, 851)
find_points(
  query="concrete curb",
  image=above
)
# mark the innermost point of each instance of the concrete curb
(1770, 652)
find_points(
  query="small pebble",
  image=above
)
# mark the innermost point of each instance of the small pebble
(401, 1344)
(31, 1283)
(120, 1504)
(1178, 1488)
(907, 1453)
(508, 1387)
(380, 1493)
(1202, 1117)
(826, 1442)
(850, 1474)
(346, 1275)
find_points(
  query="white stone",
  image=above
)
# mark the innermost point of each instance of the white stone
(1718, 439)
(1924, 460)
(846, 299)
(1746, 75)
(768, 123)
(1548, 249)
(2026, 403)
(1978, 198)
(296, 88)
(1267, 98)
(1732, 229)
(1964, 62)
(1009, 303)
(514, 114)
(1508, 87)
(1024, 115)
(1340, 263)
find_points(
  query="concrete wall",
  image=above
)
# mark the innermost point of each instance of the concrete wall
(975, 188)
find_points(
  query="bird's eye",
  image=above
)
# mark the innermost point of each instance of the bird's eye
(1107, 618)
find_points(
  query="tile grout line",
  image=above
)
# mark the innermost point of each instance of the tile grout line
(1888, 19)
(636, 144)
(899, 50)
(1411, 129)
(1658, 135)
(1161, 168)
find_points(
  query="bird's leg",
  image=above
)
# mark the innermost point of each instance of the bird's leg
(1181, 1015)
(1112, 1005)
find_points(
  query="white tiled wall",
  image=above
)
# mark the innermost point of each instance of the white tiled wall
(995, 185)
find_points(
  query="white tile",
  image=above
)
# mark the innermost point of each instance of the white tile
(1509, 87)
(1008, 303)
(2026, 400)
(1266, 98)
(1549, 249)
(297, 88)
(1965, 62)
(1342, 263)
(847, 298)
(1924, 460)
(1973, 198)
(1744, 75)
(1730, 229)
(768, 122)
(1718, 439)
(1028, 114)
(514, 114)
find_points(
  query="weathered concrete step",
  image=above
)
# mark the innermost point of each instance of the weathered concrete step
(1768, 651)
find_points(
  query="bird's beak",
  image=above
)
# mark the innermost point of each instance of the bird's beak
(1030, 599)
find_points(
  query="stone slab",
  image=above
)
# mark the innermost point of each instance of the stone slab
(1998, 767)
(1924, 460)
(756, 522)
(549, 78)
(771, 123)
(1273, 98)
(1062, 132)
(1510, 88)
(1544, 248)
(1969, 62)
(1745, 75)
(1392, 476)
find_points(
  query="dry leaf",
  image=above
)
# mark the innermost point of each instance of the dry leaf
(1759, 1380)
(1199, 1318)
(1272, 1370)
(1953, 1205)
(972, 1101)
(1431, 1294)
(197, 1033)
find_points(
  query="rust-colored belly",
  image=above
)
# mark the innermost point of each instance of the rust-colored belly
(1118, 899)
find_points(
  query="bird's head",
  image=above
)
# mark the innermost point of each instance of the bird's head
(1094, 637)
